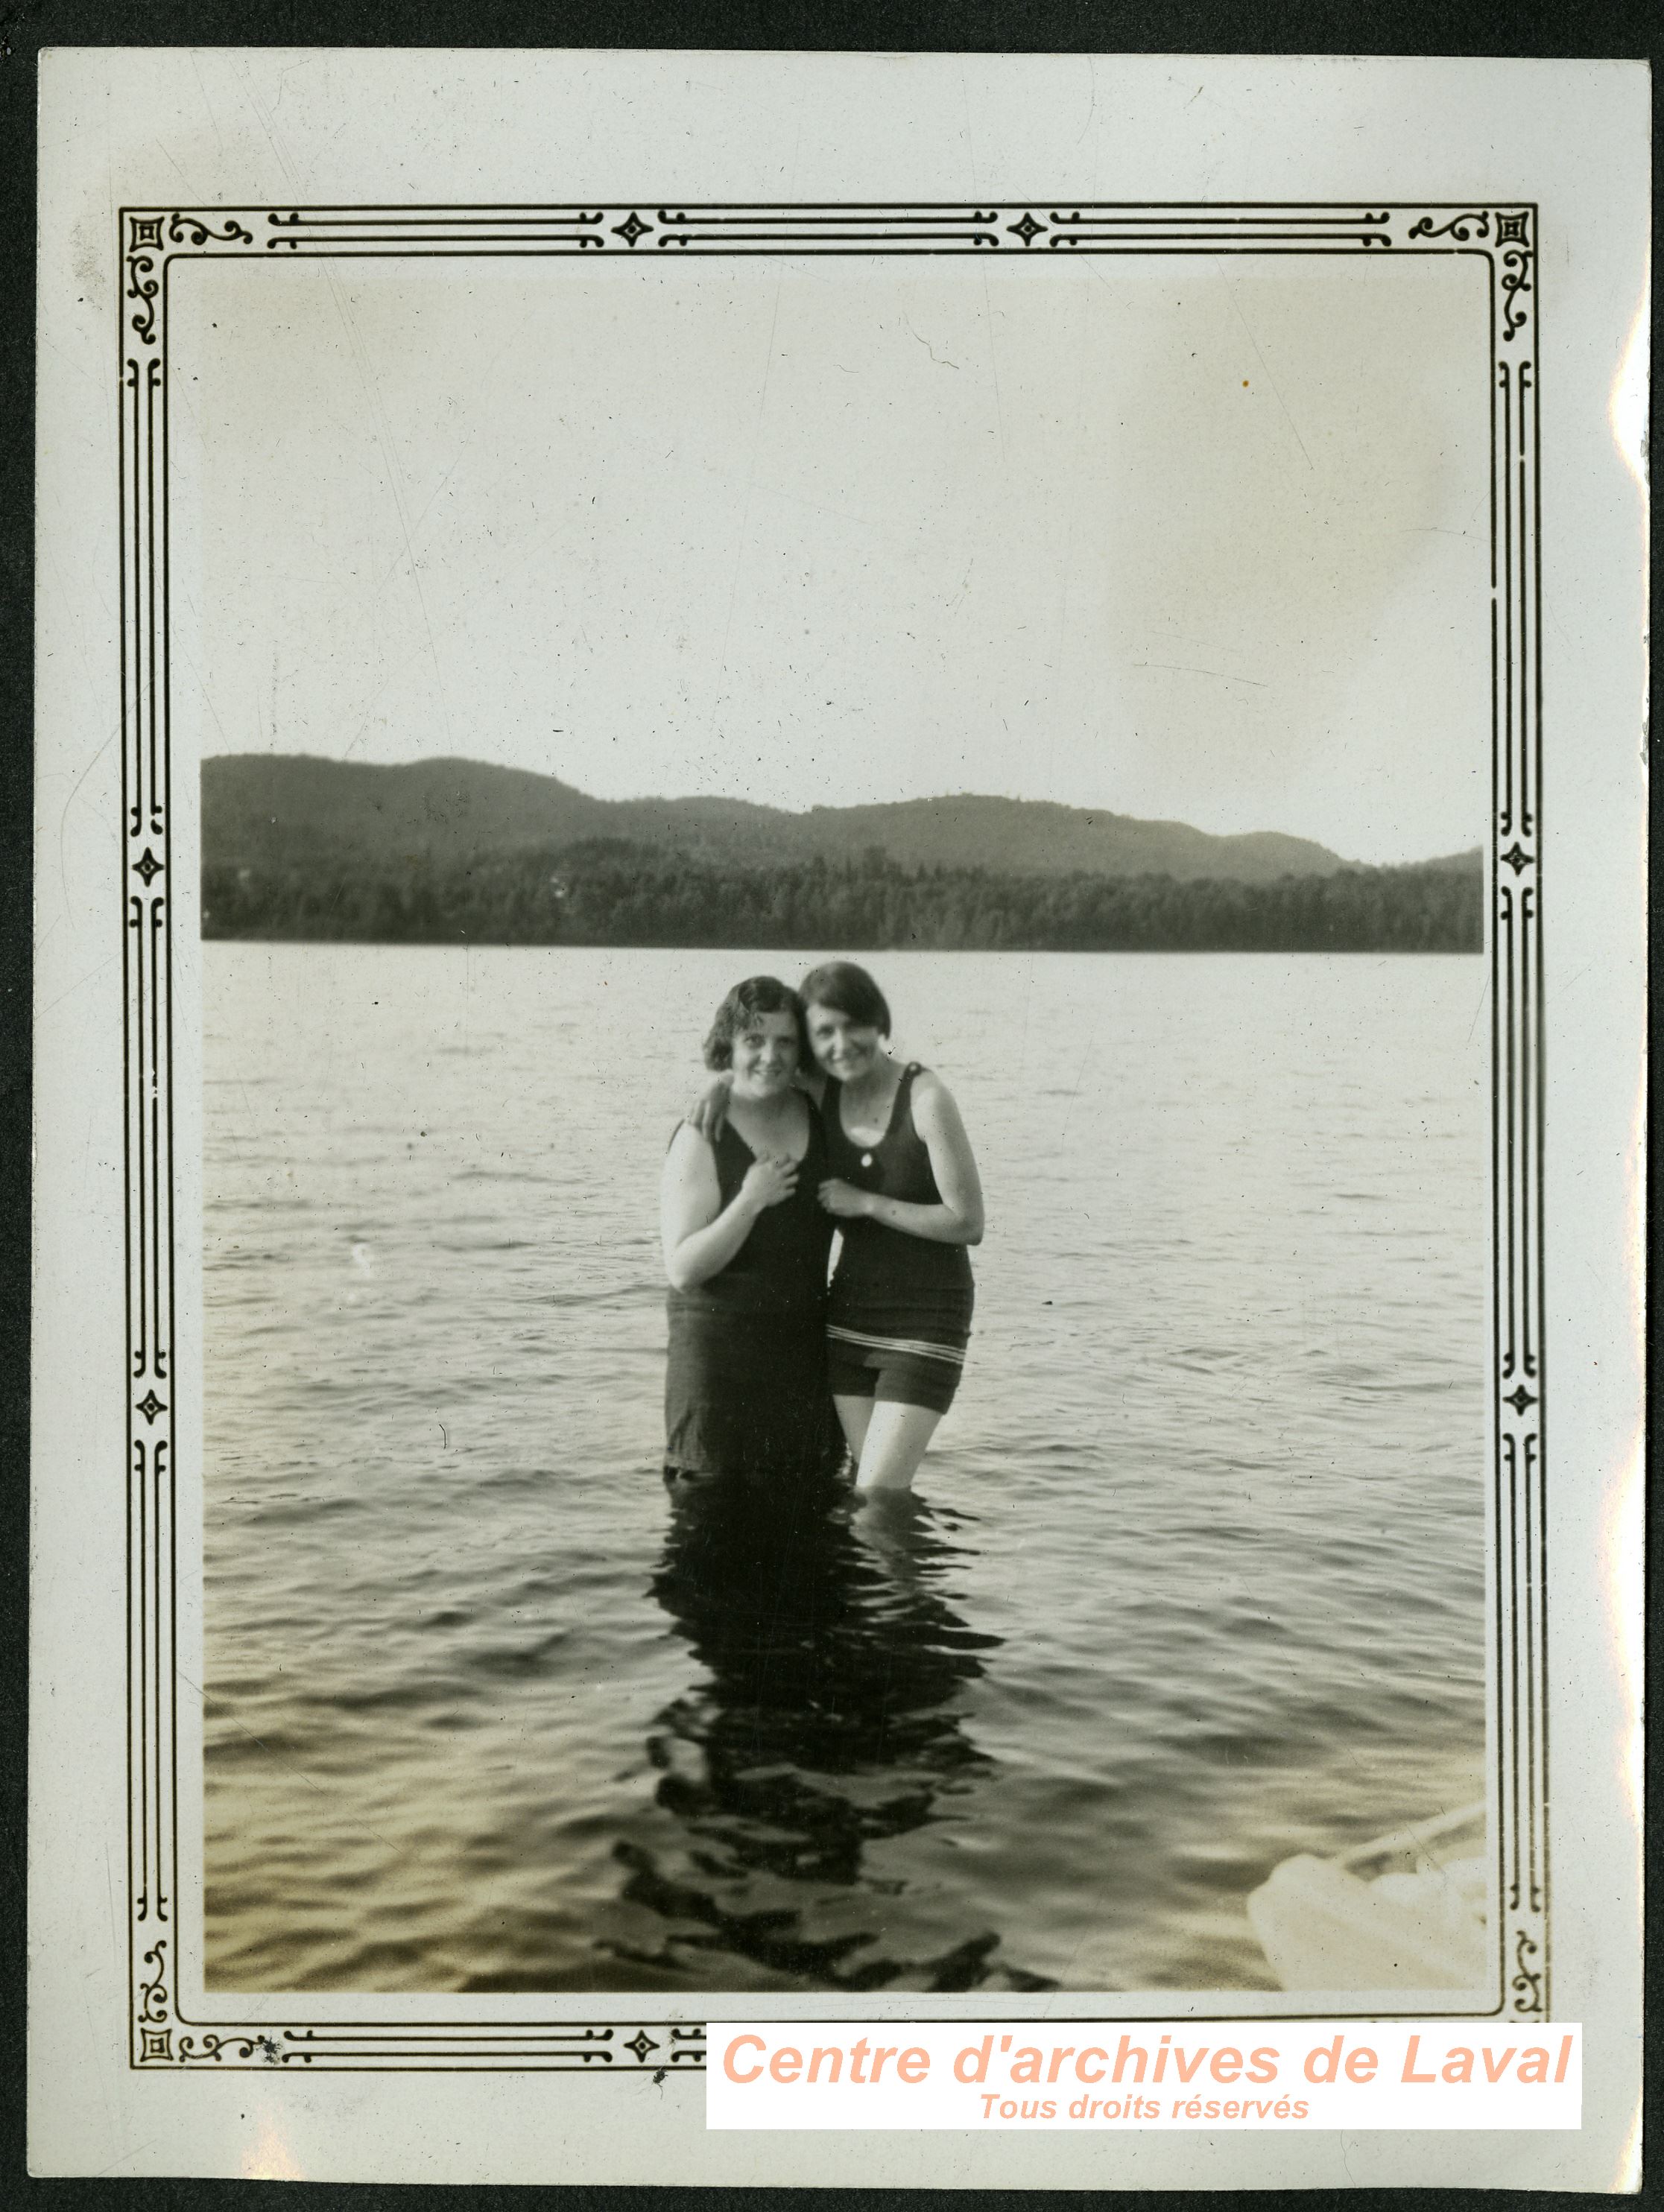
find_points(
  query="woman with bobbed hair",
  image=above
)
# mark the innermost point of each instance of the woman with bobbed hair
(746, 1247)
(903, 1190)
(902, 1185)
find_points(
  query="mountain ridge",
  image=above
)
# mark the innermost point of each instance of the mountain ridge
(260, 809)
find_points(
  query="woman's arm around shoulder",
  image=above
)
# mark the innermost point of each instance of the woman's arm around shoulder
(937, 1120)
(707, 1111)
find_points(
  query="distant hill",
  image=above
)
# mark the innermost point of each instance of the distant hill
(263, 810)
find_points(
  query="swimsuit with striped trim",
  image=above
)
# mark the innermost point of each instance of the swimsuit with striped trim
(916, 1348)
(894, 1297)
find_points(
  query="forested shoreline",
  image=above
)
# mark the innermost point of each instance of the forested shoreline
(612, 891)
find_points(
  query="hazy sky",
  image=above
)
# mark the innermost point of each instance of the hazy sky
(1202, 539)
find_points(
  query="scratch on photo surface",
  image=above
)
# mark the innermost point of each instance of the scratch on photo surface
(813, 505)
(105, 608)
(1231, 291)
(969, 138)
(409, 553)
(1184, 668)
(993, 362)
(213, 116)
(294, 1766)
(74, 986)
(104, 2096)
(1092, 104)
(372, 384)
(204, 689)
(134, 2153)
(173, 164)
(1075, 1093)
(284, 161)
(115, 1920)
(928, 348)
(744, 512)
(62, 857)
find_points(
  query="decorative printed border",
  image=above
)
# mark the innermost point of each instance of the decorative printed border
(150, 241)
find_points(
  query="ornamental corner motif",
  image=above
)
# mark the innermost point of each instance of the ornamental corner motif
(1032, 230)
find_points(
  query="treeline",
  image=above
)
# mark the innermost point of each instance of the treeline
(612, 892)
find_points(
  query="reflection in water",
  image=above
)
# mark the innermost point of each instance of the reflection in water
(829, 1721)
(1238, 1564)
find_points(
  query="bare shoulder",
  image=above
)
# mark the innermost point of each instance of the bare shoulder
(690, 1150)
(933, 1102)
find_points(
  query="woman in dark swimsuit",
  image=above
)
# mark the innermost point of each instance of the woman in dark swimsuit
(746, 1245)
(904, 1190)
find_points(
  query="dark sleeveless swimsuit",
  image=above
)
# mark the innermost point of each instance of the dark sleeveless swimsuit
(746, 1390)
(898, 1317)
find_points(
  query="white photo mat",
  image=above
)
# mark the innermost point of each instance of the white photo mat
(1564, 877)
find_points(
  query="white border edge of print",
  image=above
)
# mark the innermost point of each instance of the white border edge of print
(83, 2103)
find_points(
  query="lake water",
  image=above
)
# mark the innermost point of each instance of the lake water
(1195, 1576)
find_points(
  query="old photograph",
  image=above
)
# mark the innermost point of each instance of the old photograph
(846, 1223)
(839, 960)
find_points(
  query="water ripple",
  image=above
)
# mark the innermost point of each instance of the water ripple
(1195, 1581)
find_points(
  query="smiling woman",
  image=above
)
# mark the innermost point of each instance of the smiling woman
(746, 1245)
(906, 1193)
(901, 1184)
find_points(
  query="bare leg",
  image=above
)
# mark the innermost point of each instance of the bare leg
(893, 1445)
(854, 1414)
